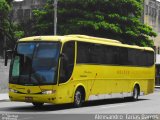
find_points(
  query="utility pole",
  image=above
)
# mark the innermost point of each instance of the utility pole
(55, 16)
(4, 45)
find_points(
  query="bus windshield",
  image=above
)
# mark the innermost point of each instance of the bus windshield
(35, 63)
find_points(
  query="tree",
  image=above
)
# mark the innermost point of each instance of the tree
(9, 2)
(43, 20)
(116, 19)
(7, 34)
(4, 23)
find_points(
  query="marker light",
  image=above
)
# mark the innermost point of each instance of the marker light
(49, 92)
(12, 90)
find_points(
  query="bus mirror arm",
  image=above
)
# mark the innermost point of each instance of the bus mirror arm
(6, 56)
(64, 57)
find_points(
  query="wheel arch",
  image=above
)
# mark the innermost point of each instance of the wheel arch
(83, 88)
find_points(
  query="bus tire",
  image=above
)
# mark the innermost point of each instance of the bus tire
(135, 93)
(78, 98)
(37, 104)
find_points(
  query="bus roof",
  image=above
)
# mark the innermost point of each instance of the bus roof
(84, 38)
(94, 38)
(60, 38)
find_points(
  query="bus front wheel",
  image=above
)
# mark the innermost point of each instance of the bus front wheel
(78, 98)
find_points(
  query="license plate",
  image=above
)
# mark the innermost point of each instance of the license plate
(28, 99)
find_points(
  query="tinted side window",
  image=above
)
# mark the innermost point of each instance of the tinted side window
(150, 57)
(67, 61)
(112, 55)
(83, 52)
(140, 57)
(123, 56)
(90, 53)
(143, 58)
(96, 54)
(132, 57)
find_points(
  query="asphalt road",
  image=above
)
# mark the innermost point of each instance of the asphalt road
(149, 104)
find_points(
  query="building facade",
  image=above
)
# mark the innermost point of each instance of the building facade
(151, 17)
(22, 10)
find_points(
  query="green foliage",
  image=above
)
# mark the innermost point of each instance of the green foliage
(9, 1)
(4, 11)
(4, 8)
(116, 19)
(43, 20)
(19, 34)
(6, 27)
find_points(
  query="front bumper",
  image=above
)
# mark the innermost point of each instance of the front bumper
(41, 98)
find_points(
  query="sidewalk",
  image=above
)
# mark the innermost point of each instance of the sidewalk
(4, 96)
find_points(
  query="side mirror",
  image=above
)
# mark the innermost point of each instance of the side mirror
(6, 56)
(64, 56)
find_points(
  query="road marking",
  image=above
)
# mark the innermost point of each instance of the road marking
(28, 118)
(113, 106)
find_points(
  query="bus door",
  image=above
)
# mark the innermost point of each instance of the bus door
(65, 86)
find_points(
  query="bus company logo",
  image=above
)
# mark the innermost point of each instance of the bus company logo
(28, 91)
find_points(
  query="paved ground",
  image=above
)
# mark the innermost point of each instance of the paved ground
(4, 71)
(149, 104)
(146, 104)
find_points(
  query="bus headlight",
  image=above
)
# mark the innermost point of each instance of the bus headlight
(49, 92)
(12, 90)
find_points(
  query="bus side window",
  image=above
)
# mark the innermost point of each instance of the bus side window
(67, 61)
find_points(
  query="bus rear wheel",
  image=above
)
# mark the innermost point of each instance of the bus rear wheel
(135, 93)
(37, 104)
(78, 98)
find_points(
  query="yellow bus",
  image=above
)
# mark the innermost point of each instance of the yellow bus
(78, 68)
